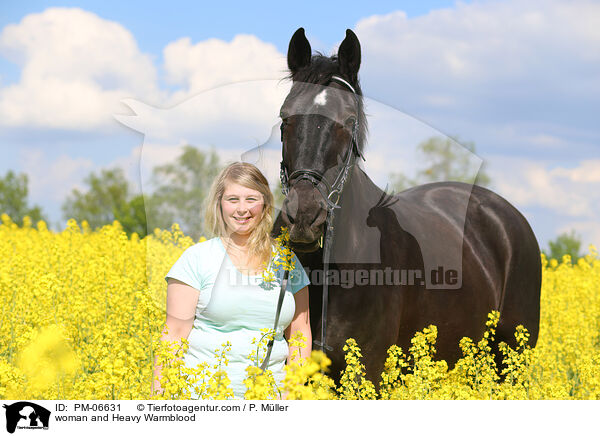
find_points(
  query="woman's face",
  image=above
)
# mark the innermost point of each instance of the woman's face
(242, 208)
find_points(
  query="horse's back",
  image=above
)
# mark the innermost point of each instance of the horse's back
(500, 261)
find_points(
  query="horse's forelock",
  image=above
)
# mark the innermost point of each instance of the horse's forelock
(319, 71)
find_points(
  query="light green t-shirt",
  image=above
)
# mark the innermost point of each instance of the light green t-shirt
(234, 307)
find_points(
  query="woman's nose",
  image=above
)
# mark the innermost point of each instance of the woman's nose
(242, 207)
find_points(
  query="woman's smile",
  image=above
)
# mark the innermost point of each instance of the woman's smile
(243, 221)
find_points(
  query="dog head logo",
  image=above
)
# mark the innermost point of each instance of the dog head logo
(24, 414)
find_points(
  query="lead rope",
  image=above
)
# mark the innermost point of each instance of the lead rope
(284, 282)
(326, 255)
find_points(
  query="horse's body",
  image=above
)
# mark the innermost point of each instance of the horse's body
(487, 239)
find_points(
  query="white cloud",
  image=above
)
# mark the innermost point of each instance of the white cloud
(554, 199)
(207, 64)
(483, 41)
(481, 68)
(587, 172)
(561, 190)
(76, 66)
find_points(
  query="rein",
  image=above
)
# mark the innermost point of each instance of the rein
(331, 194)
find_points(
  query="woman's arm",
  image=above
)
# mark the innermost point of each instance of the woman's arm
(301, 323)
(181, 309)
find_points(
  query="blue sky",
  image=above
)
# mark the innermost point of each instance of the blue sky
(519, 79)
(154, 23)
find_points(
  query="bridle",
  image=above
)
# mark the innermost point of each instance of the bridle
(331, 193)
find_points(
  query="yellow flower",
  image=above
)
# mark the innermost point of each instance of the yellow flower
(47, 357)
(85, 310)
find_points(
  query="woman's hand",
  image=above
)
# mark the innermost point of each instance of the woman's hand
(300, 323)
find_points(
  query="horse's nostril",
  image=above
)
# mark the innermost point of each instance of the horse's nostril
(290, 218)
(318, 219)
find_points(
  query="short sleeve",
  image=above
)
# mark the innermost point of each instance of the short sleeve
(298, 277)
(186, 269)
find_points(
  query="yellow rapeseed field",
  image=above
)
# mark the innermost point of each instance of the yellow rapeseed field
(82, 315)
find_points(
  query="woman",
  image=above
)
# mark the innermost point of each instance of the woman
(216, 291)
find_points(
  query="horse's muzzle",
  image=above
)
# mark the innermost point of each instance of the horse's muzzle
(304, 213)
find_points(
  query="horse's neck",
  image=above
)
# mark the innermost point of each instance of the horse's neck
(354, 241)
(360, 194)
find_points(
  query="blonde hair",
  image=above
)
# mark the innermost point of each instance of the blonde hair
(249, 176)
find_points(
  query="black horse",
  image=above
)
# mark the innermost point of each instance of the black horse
(442, 253)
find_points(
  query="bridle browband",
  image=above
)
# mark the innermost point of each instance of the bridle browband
(331, 193)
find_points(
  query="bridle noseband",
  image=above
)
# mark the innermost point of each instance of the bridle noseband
(331, 194)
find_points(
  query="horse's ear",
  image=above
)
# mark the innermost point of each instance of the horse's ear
(299, 51)
(349, 56)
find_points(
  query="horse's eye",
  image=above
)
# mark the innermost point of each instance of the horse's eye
(282, 126)
(350, 122)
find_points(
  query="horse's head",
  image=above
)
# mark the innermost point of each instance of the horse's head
(322, 131)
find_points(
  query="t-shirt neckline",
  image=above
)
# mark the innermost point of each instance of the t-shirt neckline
(254, 276)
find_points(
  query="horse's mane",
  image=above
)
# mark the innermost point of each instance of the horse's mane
(319, 71)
